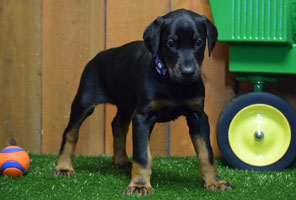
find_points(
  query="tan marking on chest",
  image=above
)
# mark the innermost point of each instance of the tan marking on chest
(192, 104)
(161, 103)
(195, 104)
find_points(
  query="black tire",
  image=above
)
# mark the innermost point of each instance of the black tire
(241, 102)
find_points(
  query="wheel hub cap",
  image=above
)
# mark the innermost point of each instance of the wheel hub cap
(259, 135)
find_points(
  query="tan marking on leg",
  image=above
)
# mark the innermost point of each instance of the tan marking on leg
(65, 162)
(119, 146)
(209, 173)
(140, 182)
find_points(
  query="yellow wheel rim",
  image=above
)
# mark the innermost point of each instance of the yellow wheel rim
(259, 135)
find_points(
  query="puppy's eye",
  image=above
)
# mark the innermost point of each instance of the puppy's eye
(198, 42)
(171, 43)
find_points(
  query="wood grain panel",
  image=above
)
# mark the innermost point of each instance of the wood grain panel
(218, 83)
(126, 21)
(73, 33)
(20, 74)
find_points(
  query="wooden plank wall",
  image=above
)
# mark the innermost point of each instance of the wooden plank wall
(45, 45)
(73, 33)
(20, 73)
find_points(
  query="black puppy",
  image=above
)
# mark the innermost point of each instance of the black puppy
(153, 81)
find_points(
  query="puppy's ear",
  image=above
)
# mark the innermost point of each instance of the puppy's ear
(152, 35)
(212, 34)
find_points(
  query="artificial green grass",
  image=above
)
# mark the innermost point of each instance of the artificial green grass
(172, 179)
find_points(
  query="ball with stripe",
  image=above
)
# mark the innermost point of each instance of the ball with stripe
(14, 161)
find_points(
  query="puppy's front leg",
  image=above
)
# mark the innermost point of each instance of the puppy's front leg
(200, 135)
(142, 160)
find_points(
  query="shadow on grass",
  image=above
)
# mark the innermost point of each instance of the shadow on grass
(167, 173)
(102, 165)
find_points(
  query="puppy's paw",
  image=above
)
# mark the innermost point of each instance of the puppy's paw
(63, 172)
(217, 183)
(139, 190)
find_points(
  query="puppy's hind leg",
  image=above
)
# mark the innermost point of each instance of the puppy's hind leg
(120, 125)
(80, 110)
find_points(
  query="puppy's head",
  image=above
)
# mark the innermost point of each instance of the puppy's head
(179, 39)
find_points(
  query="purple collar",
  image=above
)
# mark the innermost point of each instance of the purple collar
(160, 67)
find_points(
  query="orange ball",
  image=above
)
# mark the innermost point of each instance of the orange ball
(14, 161)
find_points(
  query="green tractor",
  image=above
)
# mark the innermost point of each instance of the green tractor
(257, 130)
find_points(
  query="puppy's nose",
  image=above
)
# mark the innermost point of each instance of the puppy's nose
(188, 71)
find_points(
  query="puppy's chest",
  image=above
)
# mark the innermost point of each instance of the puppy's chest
(164, 110)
